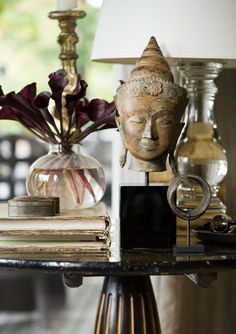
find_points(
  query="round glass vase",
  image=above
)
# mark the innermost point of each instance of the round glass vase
(77, 179)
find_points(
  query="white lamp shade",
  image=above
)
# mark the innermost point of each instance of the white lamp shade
(184, 29)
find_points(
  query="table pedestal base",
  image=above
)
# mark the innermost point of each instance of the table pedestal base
(127, 306)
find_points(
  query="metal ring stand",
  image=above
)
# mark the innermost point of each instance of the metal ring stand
(190, 214)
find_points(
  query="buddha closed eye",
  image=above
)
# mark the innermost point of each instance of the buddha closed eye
(137, 119)
(164, 120)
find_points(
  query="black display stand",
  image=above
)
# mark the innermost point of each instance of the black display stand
(146, 220)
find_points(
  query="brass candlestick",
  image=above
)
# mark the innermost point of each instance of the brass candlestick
(68, 39)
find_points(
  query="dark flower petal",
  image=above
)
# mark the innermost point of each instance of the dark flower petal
(28, 92)
(105, 122)
(109, 120)
(42, 100)
(82, 105)
(99, 109)
(58, 81)
(8, 113)
(80, 90)
(81, 112)
(81, 119)
(14, 100)
(58, 73)
(10, 107)
(72, 99)
(14, 115)
(23, 109)
(4, 99)
(1, 91)
(70, 106)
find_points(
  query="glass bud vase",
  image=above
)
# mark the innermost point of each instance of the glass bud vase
(77, 179)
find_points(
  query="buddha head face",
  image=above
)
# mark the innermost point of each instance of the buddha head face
(150, 107)
(147, 125)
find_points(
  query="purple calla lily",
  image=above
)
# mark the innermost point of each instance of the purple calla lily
(42, 100)
(73, 99)
(8, 113)
(102, 111)
(29, 92)
(57, 82)
(97, 109)
(83, 117)
(32, 111)
(81, 112)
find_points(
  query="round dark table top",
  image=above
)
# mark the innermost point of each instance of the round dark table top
(128, 262)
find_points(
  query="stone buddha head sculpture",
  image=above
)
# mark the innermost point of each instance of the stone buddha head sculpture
(150, 106)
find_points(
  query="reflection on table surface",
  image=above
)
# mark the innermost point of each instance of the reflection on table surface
(126, 262)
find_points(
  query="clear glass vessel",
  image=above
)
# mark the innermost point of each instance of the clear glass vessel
(199, 150)
(77, 179)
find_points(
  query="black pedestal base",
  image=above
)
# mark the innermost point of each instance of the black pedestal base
(146, 219)
(127, 306)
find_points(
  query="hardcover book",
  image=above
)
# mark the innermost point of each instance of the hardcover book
(51, 247)
(71, 231)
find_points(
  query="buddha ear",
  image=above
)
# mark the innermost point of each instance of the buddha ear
(124, 151)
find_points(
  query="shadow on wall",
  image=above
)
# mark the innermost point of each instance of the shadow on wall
(225, 112)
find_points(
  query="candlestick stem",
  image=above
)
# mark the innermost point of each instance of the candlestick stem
(68, 39)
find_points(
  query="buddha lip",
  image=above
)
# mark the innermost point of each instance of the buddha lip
(150, 146)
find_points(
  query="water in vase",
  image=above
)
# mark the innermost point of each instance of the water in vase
(76, 187)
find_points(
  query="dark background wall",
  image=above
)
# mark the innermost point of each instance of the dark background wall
(225, 113)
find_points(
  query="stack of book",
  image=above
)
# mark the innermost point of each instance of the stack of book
(71, 232)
